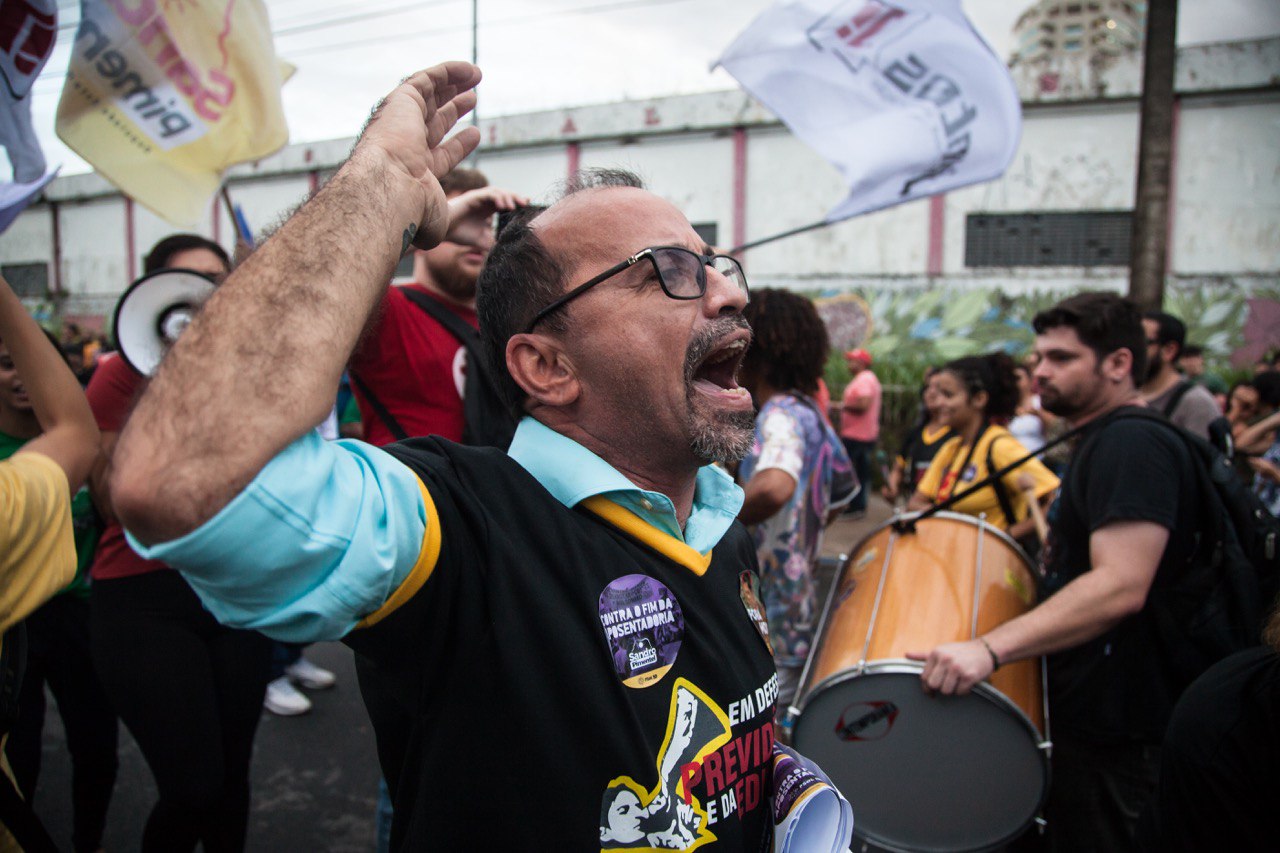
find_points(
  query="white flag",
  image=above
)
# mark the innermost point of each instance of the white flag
(27, 32)
(904, 97)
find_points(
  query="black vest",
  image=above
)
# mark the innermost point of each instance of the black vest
(499, 692)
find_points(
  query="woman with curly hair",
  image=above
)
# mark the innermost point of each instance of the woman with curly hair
(975, 396)
(796, 473)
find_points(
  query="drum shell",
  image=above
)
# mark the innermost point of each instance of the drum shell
(932, 593)
(926, 773)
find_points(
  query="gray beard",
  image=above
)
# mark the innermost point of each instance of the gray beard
(725, 438)
(725, 442)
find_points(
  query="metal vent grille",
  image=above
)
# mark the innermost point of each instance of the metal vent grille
(1087, 238)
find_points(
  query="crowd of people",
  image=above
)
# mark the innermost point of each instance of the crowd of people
(588, 476)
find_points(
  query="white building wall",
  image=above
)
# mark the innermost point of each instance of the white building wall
(1074, 155)
(692, 171)
(1227, 187)
(95, 259)
(789, 186)
(534, 172)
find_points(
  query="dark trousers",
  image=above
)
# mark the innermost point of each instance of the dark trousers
(860, 454)
(1097, 794)
(58, 654)
(283, 656)
(190, 691)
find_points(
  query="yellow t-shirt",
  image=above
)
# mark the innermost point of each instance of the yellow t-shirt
(37, 551)
(944, 477)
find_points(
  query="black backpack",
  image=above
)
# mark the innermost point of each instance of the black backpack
(1221, 599)
(486, 420)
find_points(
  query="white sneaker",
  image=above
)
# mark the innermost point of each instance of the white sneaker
(309, 675)
(284, 699)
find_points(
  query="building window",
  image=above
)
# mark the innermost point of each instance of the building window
(1071, 44)
(28, 280)
(1088, 238)
(708, 232)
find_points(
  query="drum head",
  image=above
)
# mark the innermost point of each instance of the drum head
(924, 773)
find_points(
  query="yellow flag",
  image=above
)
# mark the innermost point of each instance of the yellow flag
(161, 97)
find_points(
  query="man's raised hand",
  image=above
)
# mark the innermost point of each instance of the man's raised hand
(470, 213)
(408, 128)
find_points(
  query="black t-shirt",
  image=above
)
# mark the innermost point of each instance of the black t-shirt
(1220, 767)
(559, 684)
(1120, 686)
(918, 450)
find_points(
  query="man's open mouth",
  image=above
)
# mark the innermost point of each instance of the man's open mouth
(717, 372)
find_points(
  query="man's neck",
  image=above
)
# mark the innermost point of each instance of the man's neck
(19, 424)
(674, 478)
(1106, 404)
(445, 297)
(1160, 383)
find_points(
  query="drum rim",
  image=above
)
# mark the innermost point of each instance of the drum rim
(902, 666)
(953, 516)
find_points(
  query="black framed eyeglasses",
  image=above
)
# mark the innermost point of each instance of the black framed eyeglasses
(681, 272)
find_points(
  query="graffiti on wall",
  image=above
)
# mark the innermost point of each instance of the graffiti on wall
(935, 324)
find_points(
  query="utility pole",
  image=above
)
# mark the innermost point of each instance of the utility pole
(475, 60)
(1149, 242)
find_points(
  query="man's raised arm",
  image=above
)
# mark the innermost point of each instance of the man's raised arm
(269, 347)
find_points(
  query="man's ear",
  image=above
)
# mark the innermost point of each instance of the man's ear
(1117, 365)
(540, 366)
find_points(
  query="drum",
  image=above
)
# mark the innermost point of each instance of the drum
(926, 772)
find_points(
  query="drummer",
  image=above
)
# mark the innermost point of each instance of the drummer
(974, 396)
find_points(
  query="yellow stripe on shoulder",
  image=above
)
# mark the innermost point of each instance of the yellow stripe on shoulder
(421, 570)
(664, 543)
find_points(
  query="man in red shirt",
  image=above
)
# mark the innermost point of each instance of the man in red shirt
(860, 422)
(408, 362)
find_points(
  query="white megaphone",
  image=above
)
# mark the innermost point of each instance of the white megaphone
(154, 311)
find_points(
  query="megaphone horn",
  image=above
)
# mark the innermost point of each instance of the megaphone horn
(154, 311)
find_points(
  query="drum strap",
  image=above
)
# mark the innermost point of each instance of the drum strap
(993, 476)
(967, 459)
(998, 486)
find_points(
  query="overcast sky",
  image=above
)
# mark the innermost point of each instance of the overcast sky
(541, 54)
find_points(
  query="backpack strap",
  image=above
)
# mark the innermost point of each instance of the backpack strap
(453, 324)
(487, 420)
(998, 486)
(1179, 391)
(380, 410)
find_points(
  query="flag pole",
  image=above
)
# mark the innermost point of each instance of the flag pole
(244, 239)
(812, 226)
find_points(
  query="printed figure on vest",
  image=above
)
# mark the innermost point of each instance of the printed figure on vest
(554, 642)
(50, 443)
(860, 422)
(796, 474)
(1182, 401)
(155, 648)
(408, 361)
(1126, 525)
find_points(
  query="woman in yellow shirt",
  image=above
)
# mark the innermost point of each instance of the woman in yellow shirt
(974, 396)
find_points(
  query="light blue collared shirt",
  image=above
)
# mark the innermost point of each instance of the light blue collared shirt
(327, 531)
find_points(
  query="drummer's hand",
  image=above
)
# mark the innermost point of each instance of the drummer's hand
(953, 668)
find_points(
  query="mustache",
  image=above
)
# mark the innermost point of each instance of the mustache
(707, 339)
